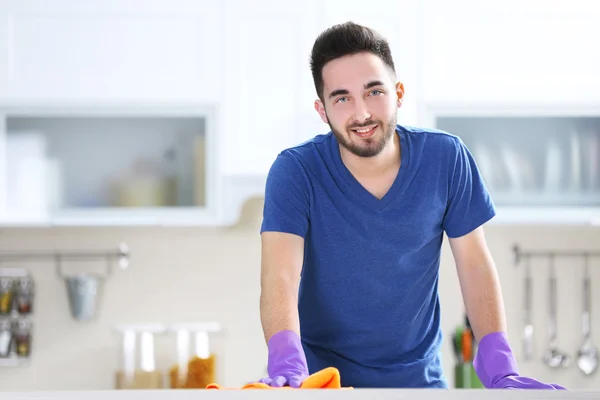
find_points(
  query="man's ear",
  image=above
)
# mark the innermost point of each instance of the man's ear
(320, 107)
(399, 94)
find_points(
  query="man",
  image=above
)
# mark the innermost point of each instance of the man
(352, 233)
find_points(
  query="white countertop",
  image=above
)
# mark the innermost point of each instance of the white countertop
(307, 394)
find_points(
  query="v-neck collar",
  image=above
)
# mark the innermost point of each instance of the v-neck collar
(358, 191)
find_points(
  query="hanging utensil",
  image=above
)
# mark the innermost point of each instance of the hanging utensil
(456, 349)
(528, 329)
(84, 295)
(587, 356)
(553, 357)
(84, 291)
(457, 339)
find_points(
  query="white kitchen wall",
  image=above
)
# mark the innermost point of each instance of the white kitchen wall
(183, 274)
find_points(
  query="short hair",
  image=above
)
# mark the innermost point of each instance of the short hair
(346, 39)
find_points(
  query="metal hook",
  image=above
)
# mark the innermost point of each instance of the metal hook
(57, 261)
(516, 255)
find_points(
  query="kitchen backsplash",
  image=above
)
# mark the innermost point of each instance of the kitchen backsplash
(204, 274)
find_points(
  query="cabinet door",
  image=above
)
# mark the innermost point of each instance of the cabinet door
(114, 166)
(269, 102)
(397, 22)
(100, 51)
(538, 168)
(6, 53)
(511, 52)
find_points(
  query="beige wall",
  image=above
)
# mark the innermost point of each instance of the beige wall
(213, 274)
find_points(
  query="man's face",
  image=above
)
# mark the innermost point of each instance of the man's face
(360, 101)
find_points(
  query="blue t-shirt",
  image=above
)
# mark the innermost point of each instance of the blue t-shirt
(368, 299)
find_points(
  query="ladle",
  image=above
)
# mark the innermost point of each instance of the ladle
(553, 357)
(587, 356)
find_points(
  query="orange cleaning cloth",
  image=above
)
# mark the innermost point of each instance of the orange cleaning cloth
(328, 378)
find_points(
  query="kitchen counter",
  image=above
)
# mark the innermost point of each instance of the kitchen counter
(309, 394)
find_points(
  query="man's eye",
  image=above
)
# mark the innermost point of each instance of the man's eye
(376, 92)
(341, 99)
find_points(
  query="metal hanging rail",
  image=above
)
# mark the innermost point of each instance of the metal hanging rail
(519, 254)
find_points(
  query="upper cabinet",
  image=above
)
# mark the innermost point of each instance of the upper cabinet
(540, 166)
(110, 51)
(510, 52)
(518, 82)
(108, 166)
(270, 95)
(109, 112)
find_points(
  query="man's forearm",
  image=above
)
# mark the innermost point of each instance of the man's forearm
(279, 307)
(483, 299)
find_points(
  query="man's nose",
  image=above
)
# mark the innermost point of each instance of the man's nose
(361, 111)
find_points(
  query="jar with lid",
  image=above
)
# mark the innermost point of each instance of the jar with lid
(195, 366)
(23, 337)
(6, 337)
(7, 292)
(138, 369)
(24, 295)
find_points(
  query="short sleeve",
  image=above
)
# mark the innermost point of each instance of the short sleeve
(469, 203)
(286, 207)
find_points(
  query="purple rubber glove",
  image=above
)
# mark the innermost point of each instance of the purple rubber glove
(287, 362)
(496, 367)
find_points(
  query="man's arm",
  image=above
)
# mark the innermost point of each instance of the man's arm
(281, 264)
(479, 283)
(469, 208)
(494, 363)
(286, 219)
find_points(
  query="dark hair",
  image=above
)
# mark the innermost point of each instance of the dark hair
(346, 39)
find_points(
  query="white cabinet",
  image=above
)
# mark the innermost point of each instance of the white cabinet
(519, 83)
(120, 100)
(267, 80)
(540, 165)
(510, 52)
(269, 90)
(110, 51)
(108, 166)
(6, 50)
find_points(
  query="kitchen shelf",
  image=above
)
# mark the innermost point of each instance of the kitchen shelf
(540, 165)
(94, 165)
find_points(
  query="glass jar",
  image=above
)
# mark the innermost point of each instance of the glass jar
(7, 292)
(23, 337)
(196, 360)
(138, 368)
(6, 337)
(24, 295)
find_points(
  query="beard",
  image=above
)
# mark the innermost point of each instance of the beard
(366, 147)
